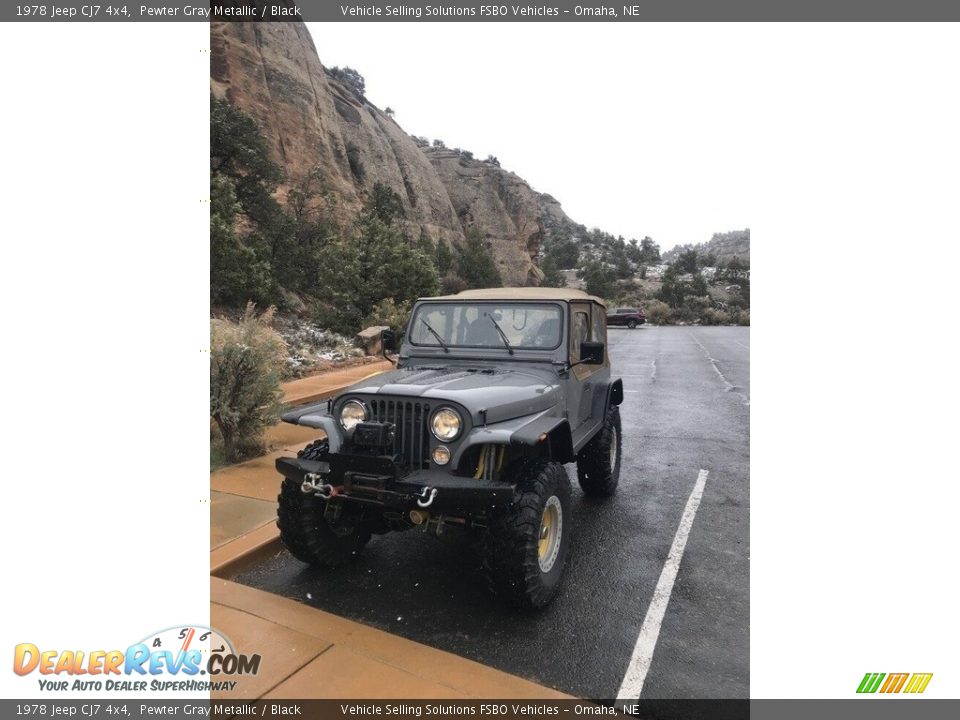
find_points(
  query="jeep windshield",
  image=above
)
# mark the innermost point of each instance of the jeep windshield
(474, 325)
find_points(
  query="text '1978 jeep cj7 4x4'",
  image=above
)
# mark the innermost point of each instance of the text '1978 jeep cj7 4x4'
(493, 392)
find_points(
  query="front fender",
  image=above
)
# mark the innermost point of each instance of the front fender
(494, 434)
(316, 416)
(554, 431)
(550, 431)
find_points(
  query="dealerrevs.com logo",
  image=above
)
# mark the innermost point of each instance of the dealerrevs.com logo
(182, 659)
(911, 683)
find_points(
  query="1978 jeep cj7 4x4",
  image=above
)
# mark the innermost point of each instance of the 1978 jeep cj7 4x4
(493, 392)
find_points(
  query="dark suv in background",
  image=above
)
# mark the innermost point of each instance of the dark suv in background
(631, 317)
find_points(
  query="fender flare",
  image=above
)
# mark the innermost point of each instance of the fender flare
(614, 393)
(552, 434)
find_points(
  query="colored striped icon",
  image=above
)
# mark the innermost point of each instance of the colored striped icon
(894, 682)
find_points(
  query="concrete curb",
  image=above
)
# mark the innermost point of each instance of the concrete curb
(241, 553)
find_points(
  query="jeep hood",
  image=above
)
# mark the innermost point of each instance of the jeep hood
(504, 393)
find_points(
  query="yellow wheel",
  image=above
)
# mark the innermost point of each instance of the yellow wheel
(551, 531)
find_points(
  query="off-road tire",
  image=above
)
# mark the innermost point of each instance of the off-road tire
(511, 542)
(632, 324)
(598, 468)
(308, 536)
(315, 450)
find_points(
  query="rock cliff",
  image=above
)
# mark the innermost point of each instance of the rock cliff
(317, 124)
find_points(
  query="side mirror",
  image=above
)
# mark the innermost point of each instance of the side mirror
(591, 353)
(388, 341)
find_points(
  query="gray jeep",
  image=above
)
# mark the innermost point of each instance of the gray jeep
(493, 391)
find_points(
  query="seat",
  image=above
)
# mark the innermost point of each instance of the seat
(546, 334)
(482, 332)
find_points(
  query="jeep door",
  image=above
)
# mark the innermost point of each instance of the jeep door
(587, 323)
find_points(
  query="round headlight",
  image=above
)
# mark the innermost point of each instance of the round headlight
(351, 413)
(441, 455)
(446, 424)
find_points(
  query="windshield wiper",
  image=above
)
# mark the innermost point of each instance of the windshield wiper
(503, 335)
(436, 335)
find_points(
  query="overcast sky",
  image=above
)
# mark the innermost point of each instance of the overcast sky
(637, 129)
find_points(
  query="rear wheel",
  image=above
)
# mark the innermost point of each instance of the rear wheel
(598, 464)
(526, 543)
(313, 538)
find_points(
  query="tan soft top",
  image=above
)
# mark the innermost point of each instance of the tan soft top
(521, 293)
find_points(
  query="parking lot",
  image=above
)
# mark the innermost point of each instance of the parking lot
(657, 589)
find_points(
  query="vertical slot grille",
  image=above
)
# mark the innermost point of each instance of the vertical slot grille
(409, 419)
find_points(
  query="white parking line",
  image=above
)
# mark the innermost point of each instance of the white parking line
(636, 675)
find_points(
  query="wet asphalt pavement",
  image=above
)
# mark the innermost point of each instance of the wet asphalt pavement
(686, 408)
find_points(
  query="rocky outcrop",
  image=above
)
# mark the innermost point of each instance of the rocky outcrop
(497, 204)
(315, 124)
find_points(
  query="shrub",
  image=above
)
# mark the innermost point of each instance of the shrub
(246, 361)
(744, 318)
(341, 318)
(713, 316)
(697, 304)
(351, 79)
(684, 315)
(452, 284)
(659, 313)
(390, 313)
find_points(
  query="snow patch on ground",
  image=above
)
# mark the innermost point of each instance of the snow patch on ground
(312, 349)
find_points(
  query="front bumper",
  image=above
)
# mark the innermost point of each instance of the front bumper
(374, 480)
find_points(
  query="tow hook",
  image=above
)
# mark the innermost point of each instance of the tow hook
(311, 485)
(427, 496)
